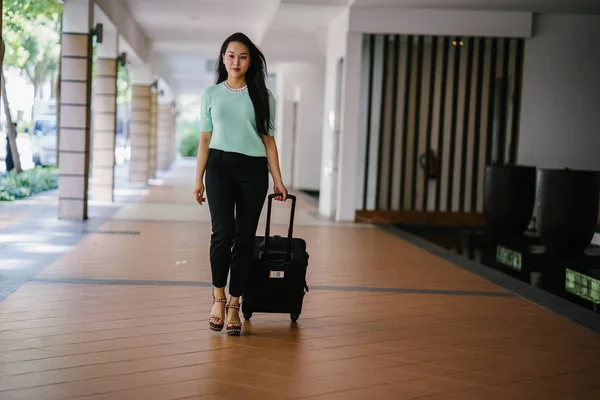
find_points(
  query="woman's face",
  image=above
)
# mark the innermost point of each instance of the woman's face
(236, 59)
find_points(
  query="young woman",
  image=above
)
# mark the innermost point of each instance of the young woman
(236, 151)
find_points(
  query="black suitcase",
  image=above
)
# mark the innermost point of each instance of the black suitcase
(276, 281)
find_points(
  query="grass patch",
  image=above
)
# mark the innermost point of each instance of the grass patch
(27, 183)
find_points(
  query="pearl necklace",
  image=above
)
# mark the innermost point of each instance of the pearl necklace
(232, 90)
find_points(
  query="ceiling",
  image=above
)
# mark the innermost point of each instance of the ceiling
(186, 34)
(539, 6)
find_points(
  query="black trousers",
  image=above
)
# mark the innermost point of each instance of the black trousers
(236, 189)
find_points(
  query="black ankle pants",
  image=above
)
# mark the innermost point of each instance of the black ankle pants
(236, 188)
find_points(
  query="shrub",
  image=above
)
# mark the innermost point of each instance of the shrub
(190, 138)
(189, 144)
(27, 183)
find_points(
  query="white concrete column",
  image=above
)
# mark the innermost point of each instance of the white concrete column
(74, 114)
(348, 198)
(139, 162)
(166, 136)
(173, 141)
(337, 35)
(105, 117)
(339, 194)
(165, 127)
(153, 129)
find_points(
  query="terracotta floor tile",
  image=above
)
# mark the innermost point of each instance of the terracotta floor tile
(109, 342)
(592, 394)
(54, 376)
(382, 392)
(474, 362)
(540, 387)
(544, 368)
(392, 375)
(424, 369)
(581, 379)
(204, 397)
(479, 378)
(480, 393)
(172, 391)
(440, 384)
(105, 346)
(99, 358)
(229, 391)
(330, 384)
(110, 384)
(112, 334)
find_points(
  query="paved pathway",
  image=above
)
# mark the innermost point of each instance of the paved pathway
(123, 314)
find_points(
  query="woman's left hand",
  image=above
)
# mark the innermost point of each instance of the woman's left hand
(279, 188)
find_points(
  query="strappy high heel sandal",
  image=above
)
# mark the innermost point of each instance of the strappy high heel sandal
(218, 326)
(234, 328)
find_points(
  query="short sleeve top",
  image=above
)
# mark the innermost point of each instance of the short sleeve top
(229, 114)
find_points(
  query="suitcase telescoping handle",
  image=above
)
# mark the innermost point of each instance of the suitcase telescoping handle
(291, 227)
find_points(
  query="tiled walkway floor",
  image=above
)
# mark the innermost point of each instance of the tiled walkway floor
(124, 316)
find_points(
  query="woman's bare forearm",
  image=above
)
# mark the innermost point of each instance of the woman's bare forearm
(202, 155)
(273, 159)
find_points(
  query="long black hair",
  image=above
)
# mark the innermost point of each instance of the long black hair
(255, 79)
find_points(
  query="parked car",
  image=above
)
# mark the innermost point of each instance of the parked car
(44, 140)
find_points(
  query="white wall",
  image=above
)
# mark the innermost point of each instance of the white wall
(310, 82)
(560, 116)
(351, 159)
(286, 47)
(301, 83)
(337, 36)
(284, 97)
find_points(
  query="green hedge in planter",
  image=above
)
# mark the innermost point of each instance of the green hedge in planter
(189, 143)
(190, 138)
(27, 183)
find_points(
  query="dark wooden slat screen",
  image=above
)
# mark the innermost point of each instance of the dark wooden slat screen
(458, 97)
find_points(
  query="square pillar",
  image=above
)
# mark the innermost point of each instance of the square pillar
(166, 134)
(153, 128)
(105, 116)
(139, 162)
(173, 152)
(74, 109)
(105, 126)
(348, 194)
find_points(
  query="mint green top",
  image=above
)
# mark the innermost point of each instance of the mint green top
(229, 114)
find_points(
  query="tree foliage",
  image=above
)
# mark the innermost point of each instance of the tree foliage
(31, 32)
(15, 13)
(30, 41)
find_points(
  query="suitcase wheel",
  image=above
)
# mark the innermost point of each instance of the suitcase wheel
(247, 316)
(294, 317)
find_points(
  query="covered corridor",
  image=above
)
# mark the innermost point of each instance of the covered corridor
(105, 284)
(124, 315)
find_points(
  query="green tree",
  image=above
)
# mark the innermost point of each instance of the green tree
(16, 12)
(35, 51)
(30, 36)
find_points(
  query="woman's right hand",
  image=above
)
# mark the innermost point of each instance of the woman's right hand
(199, 193)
